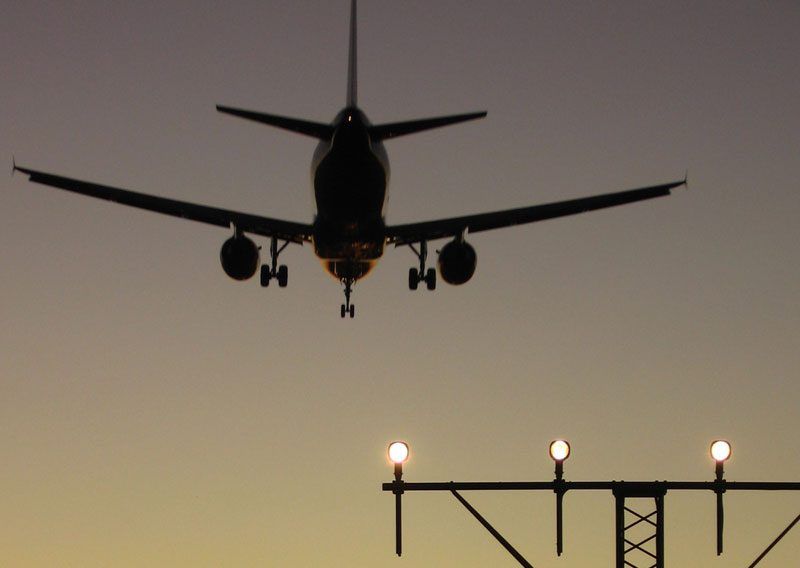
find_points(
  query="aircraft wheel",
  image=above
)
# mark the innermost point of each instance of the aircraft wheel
(430, 279)
(283, 276)
(265, 275)
(343, 310)
(413, 278)
(352, 311)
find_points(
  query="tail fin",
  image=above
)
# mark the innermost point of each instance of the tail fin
(352, 74)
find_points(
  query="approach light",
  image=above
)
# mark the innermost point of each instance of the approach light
(398, 452)
(559, 450)
(720, 451)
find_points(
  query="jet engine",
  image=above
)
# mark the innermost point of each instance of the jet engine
(457, 261)
(239, 257)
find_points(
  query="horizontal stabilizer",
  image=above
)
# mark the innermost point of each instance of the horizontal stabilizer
(307, 127)
(395, 129)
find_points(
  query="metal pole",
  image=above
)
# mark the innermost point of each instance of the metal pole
(398, 529)
(595, 485)
(719, 490)
(559, 490)
(559, 522)
(492, 531)
(398, 517)
(660, 531)
(620, 530)
(720, 523)
(776, 541)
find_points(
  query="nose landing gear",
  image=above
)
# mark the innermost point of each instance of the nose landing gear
(347, 307)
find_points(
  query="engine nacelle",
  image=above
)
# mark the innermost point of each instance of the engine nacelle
(239, 257)
(457, 262)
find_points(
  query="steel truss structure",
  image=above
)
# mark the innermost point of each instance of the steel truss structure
(639, 535)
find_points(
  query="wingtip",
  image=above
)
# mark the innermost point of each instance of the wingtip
(686, 179)
(15, 168)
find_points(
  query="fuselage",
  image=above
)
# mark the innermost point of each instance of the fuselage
(350, 180)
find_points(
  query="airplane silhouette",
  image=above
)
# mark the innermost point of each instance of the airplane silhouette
(350, 171)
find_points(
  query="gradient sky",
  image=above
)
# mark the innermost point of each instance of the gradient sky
(155, 413)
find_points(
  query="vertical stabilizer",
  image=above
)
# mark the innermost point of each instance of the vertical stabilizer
(352, 75)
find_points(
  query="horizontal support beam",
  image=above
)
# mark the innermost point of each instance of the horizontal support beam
(630, 488)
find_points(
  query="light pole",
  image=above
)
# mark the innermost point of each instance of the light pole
(398, 453)
(720, 451)
(559, 451)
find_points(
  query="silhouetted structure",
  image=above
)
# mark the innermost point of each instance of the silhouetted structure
(639, 536)
(350, 171)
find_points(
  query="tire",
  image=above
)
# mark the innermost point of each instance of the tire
(265, 276)
(430, 279)
(352, 311)
(413, 278)
(283, 276)
(343, 310)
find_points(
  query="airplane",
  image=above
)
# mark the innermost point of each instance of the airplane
(350, 172)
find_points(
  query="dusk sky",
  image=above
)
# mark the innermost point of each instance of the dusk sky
(154, 412)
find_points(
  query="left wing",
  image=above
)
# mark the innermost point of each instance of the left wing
(443, 228)
(245, 222)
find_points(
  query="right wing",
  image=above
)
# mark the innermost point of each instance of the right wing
(255, 224)
(442, 228)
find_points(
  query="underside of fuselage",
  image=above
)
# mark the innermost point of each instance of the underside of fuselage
(350, 177)
(348, 270)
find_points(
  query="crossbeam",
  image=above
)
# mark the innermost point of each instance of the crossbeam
(633, 486)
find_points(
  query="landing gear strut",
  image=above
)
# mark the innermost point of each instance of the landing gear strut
(347, 307)
(281, 273)
(415, 276)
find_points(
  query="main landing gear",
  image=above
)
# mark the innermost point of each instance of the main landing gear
(280, 273)
(347, 307)
(415, 276)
